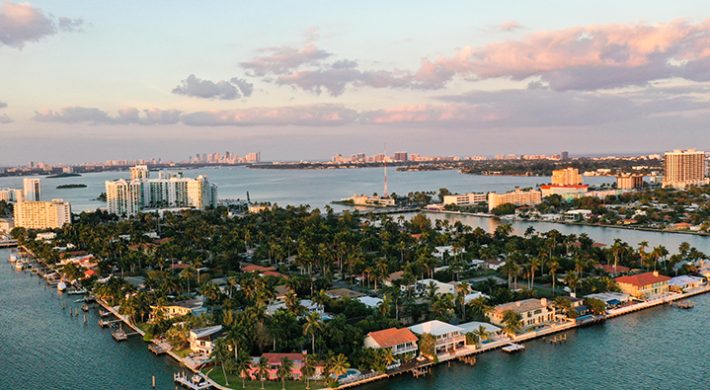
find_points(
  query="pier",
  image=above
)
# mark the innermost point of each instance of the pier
(195, 383)
(8, 243)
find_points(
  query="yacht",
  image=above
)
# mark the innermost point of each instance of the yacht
(61, 286)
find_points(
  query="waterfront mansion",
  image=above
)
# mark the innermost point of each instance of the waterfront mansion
(533, 311)
(644, 285)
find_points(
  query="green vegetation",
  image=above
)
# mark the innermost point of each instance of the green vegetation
(5, 209)
(203, 253)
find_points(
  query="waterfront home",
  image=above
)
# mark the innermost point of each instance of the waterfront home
(274, 360)
(400, 341)
(448, 338)
(373, 201)
(685, 282)
(177, 309)
(473, 326)
(644, 285)
(202, 339)
(533, 311)
(422, 287)
(611, 298)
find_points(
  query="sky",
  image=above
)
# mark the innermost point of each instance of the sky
(89, 81)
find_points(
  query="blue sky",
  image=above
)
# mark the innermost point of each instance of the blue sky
(86, 80)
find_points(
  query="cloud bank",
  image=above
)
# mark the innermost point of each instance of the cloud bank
(231, 89)
(21, 23)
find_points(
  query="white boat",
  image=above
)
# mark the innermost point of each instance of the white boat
(61, 286)
(512, 347)
(12, 258)
(20, 265)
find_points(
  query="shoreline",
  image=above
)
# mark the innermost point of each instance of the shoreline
(533, 335)
(460, 355)
(644, 229)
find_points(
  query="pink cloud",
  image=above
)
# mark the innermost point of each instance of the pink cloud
(510, 25)
(22, 23)
(611, 55)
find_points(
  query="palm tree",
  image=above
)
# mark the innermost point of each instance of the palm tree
(511, 322)
(308, 369)
(338, 364)
(220, 353)
(284, 371)
(572, 278)
(462, 289)
(482, 333)
(552, 267)
(313, 324)
(243, 364)
(263, 370)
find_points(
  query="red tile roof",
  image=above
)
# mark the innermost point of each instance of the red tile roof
(643, 279)
(256, 268)
(275, 358)
(391, 337)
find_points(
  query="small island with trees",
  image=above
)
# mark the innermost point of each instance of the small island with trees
(68, 186)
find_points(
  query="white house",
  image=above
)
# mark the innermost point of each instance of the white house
(370, 302)
(685, 282)
(201, 339)
(449, 338)
(422, 286)
(439, 251)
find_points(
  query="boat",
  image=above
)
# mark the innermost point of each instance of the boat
(19, 265)
(512, 348)
(104, 313)
(12, 258)
(61, 286)
(119, 334)
(85, 307)
(77, 292)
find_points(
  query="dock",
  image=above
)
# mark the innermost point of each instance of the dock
(8, 243)
(105, 323)
(197, 382)
(513, 347)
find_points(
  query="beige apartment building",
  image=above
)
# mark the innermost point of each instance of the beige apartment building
(42, 215)
(566, 177)
(629, 181)
(517, 197)
(683, 168)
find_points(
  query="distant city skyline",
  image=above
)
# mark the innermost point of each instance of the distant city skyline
(304, 80)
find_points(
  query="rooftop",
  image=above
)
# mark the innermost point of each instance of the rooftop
(391, 337)
(435, 328)
(522, 306)
(643, 279)
(204, 332)
(475, 325)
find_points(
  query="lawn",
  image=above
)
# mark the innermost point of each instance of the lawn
(235, 382)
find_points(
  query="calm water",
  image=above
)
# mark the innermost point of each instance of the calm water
(314, 187)
(42, 347)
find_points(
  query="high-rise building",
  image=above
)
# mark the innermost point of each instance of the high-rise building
(12, 195)
(170, 190)
(629, 181)
(471, 198)
(140, 172)
(253, 157)
(566, 177)
(401, 156)
(564, 155)
(31, 188)
(42, 215)
(682, 168)
(517, 197)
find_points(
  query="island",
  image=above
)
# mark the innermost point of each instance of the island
(66, 186)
